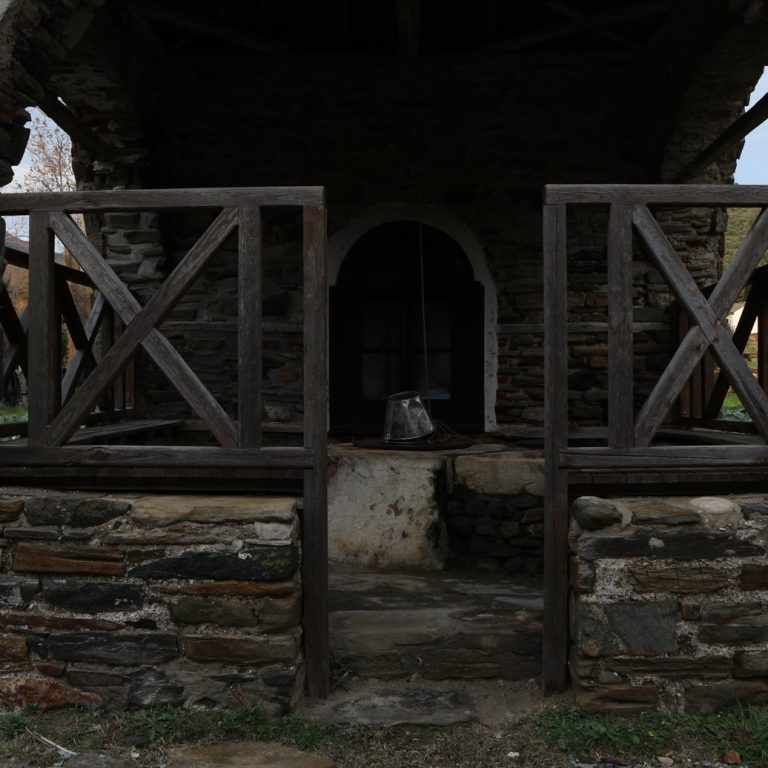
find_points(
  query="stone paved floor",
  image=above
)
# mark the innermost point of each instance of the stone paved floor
(434, 625)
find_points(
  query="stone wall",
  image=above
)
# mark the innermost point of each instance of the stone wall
(131, 601)
(669, 601)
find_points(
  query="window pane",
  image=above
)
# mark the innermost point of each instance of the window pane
(439, 376)
(381, 374)
(381, 325)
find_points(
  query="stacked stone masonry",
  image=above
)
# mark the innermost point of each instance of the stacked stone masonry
(136, 600)
(669, 603)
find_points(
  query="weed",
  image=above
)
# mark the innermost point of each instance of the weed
(156, 723)
(744, 728)
(11, 726)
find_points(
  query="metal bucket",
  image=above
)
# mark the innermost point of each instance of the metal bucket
(406, 418)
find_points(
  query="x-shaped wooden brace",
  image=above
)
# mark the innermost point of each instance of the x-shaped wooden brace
(710, 329)
(141, 329)
(15, 329)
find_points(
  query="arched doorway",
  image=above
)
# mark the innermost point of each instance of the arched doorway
(381, 318)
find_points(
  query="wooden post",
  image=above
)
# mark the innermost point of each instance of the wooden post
(315, 523)
(555, 650)
(621, 429)
(44, 332)
(249, 311)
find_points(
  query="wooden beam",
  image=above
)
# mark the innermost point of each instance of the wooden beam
(249, 315)
(159, 199)
(211, 27)
(620, 356)
(712, 195)
(728, 139)
(44, 353)
(18, 258)
(409, 26)
(556, 518)
(709, 316)
(608, 34)
(619, 15)
(140, 322)
(203, 457)
(317, 652)
(674, 456)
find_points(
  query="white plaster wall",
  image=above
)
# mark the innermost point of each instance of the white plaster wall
(382, 509)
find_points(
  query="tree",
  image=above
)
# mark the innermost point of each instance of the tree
(48, 158)
(45, 167)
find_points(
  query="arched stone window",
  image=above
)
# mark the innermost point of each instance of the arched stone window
(377, 336)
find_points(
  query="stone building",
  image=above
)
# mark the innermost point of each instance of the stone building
(433, 128)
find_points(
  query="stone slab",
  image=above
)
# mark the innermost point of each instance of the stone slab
(260, 563)
(98, 760)
(408, 706)
(159, 511)
(246, 755)
(504, 473)
(68, 558)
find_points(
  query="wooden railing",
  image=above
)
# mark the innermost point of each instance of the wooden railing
(60, 405)
(629, 446)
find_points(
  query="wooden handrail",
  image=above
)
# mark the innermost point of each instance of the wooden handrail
(629, 451)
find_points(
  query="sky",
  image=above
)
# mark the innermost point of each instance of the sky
(752, 167)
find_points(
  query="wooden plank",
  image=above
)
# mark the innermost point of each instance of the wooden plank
(408, 26)
(709, 316)
(740, 338)
(70, 314)
(82, 358)
(315, 521)
(619, 14)
(154, 456)
(684, 403)
(241, 35)
(106, 432)
(20, 259)
(686, 195)
(159, 199)
(141, 330)
(621, 426)
(44, 336)
(669, 386)
(747, 257)
(249, 279)
(664, 456)
(16, 354)
(556, 520)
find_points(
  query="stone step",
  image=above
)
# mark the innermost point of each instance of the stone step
(391, 625)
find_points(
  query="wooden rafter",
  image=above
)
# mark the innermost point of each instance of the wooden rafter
(728, 139)
(619, 15)
(603, 31)
(409, 26)
(210, 27)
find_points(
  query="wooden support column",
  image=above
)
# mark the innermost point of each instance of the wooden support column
(620, 357)
(555, 670)
(249, 328)
(44, 333)
(315, 522)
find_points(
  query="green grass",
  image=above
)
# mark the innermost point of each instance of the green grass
(740, 221)
(12, 413)
(587, 737)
